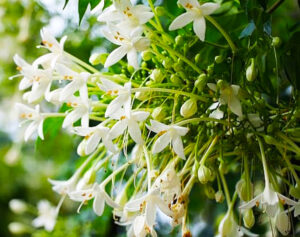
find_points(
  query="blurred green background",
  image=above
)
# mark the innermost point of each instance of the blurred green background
(25, 168)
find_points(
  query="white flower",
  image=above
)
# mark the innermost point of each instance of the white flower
(81, 107)
(64, 187)
(297, 209)
(39, 79)
(36, 118)
(123, 11)
(129, 120)
(93, 135)
(123, 94)
(168, 134)
(98, 194)
(229, 96)
(228, 226)
(140, 227)
(56, 50)
(194, 13)
(98, 9)
(150, 203)
(269, 201)
(217, 113)
(47, 216)
(130, 42)
(78, 81)
(283, 223)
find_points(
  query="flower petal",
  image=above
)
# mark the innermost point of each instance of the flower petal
(132, 58)
(178, 146)
(91, 143)
(150, 213)
(199, 27)
(118, 129)
(135, 132)
(161, 143)
(116, 55)
(209, 8)
(99, 204)
(182, 21)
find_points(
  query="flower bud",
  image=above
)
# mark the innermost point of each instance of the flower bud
(210, 69)
(189, 108)
(175, 79)
(158, 113)
(276, 41)
(270, 140)
(198, 58)
(146, 55)
(201, 82)
(179, 40)
(204, 174)
(141, 95)
(98, 58)
(251, 72)
(209, 191)
(219, 196)
(221, 85)
(160, 11)
(242, 189)
(248, 218)
(167, 63)
(219, 59)
(18, 228)
(157, 75)
(283, 223)
(17, 206)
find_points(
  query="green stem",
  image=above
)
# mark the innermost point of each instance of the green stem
(148, 167)
(80, 62)
(196, 120)
(223, 32)
(155, 15)
(264, 161)
(289, 141)
(225, 187)
(208, 151)
(113, 174)
(149, 89)
(179, 55)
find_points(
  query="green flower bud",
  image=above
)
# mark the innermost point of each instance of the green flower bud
(131, 69)
(209, 191)
(276, 41)
(167, 63)
(147, 55)
(221, 85)
(177, 67)
(18, 228)
(160, 11)
(157, 75)
(175, 79)
(241, 189)
(198, 58)
(283, 223)
(270, 140)
(159, 113)
(201, 82)
(189, 108)
(248, 218)
(204, 174)
(98, 58)
(210, 69)
(219, 196)
(81, 148)
(179, 40)
(219, 59)
(251, 72)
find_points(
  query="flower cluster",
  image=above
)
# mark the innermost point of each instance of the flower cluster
(162, 156)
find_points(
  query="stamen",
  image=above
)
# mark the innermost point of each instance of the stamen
(257, 204)
(123, 117)
(19, 68)
(162, 132)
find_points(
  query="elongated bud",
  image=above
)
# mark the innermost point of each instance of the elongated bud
(160, 11)
(209, 191)
(175, 79)
(242, 189)
(81, 148)
(189, 108)
(142, 95)
(17, 206)
(276, 41)
(98, 58)
(251, 72)
(179, 40)
(204, 174)
(248, 218)
(219, 59)
(201, 82)
(18, 228)
(270, 140)
(283, 223)
(219, 196)
(157, 75)
(159, 113)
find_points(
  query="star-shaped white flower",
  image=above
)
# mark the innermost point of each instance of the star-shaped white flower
(130, 41)
(47, 215)
(149, 203)
(129, 120)
(123, 11)
(194, 13)
(78, 81)
(168, 134)
(56, 50)
(123, 93)
(229, 96)
(98, 194)
(64, 187)
(81, 107)
(93, 135)
(269, 201)
(37, 119)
